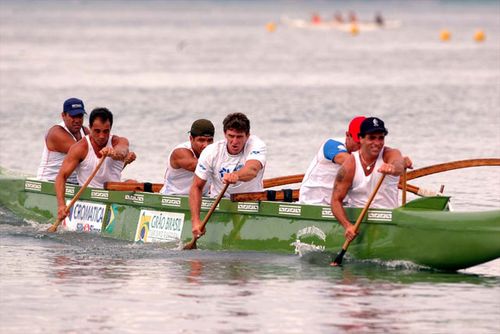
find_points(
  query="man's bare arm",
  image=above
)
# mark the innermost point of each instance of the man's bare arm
(75, 155)
(59, 140)
(343, 182)
(393, 162)
(247, 173)
(195, 203)
(341, 157)
(183, 158)
(119, 150)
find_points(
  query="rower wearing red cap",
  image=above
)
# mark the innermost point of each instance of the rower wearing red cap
(317, 184)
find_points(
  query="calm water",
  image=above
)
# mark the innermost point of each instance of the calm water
(160, 65)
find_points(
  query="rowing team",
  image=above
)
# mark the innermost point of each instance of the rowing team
(345, 171)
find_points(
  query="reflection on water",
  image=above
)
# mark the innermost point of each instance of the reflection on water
(223, 290)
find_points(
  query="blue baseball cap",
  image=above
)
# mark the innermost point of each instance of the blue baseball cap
(74, 107)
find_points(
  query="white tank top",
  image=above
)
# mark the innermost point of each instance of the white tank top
(110, 171)
(363, 186)
(178, 180)
(51, 161)
(317, 185)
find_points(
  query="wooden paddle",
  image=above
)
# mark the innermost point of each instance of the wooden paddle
(438, 168)
(192, 243)
(340, 255)
(54, 226)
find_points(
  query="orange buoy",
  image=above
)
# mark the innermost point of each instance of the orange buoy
(479, 36)
(445, 35)
(354, 29)
(271, 27)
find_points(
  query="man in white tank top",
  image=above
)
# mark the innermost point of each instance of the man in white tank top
(317, 185)
(184, 157)
(85, 155)
(360, 173)
(238, 160)
(59, 139)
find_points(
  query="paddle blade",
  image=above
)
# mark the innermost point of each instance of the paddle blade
(54, 226)
(338, 259)
(190, 245)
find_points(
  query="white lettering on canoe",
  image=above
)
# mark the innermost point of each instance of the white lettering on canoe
(327, 213)
(171, 201)
(289, 210)
(35, 186)
(137, 198)
(207, 204)
(99, 194)
(70, 191)
(311, 230)
(248, 207)
(302, 248)
(379, 216)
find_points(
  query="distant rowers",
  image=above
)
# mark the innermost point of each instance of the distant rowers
(352, 17)
(337, 17)
(316, 19)
(379, 20)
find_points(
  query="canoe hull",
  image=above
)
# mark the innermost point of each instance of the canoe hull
(422, 232)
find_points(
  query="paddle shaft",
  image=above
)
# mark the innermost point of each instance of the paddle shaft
(54, 226)
(405, 186)
(340, 256)
(192, 243)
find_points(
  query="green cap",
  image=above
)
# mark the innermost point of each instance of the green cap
(202, 127)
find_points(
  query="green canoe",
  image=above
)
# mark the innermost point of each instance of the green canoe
(423, 231)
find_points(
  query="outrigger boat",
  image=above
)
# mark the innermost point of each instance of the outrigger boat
(423, 231)
(340, 26)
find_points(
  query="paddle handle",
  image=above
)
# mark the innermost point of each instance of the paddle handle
(192, 243)
(54, 226)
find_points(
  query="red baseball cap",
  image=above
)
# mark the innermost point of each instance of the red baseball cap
(354, 127)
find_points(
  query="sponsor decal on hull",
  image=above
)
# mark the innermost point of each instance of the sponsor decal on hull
(85, 217)
(159, 226)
